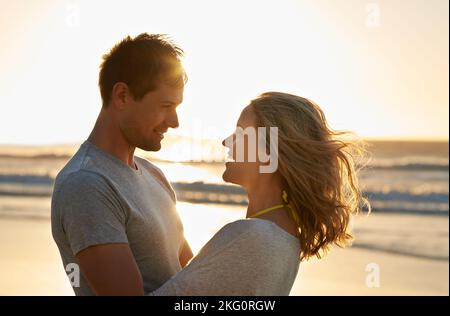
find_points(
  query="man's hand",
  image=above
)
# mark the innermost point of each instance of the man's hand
(110, 269)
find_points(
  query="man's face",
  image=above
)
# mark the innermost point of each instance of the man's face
(144, 122)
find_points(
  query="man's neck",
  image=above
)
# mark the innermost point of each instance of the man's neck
(107, 136)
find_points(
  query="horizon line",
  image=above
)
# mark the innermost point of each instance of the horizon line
(369, 139)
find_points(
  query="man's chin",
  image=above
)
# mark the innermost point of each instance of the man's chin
(153, 146)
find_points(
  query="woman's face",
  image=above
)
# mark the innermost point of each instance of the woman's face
(240, 168)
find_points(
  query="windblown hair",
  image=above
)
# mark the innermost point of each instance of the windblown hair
(142, 63)
(319, 168)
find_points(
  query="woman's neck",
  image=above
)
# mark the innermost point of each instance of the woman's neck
(267, 194)
(263, 195)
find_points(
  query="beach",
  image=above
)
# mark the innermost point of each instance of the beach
(30, 262)
(402, 248)
(313, 110)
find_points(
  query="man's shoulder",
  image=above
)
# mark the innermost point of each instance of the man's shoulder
(78, 180)
(150, 166)
(81, 170)
(156, 173)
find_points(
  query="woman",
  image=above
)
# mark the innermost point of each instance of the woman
(294, 213)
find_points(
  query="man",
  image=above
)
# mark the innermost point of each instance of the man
(113, 213)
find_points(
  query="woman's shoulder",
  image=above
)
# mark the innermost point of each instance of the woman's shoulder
(262, 231)
(261, 236)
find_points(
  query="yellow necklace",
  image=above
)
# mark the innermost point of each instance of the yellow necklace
(276, 207)
(264, 211)
(286, 204)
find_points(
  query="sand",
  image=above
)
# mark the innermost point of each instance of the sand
(29, 262)
(343, 272)
(30, 265)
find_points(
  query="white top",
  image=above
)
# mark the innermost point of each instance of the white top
(246, 257)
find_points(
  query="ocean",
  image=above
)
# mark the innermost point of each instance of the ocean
(403, 178)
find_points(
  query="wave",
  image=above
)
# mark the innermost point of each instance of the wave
(391, 165)
(430, 203)
(393, 195)
(200, 186)
(411, 167)
(27, 179)
(412, 163)
(36, 156)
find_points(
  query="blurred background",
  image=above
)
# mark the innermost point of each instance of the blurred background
(378, 68)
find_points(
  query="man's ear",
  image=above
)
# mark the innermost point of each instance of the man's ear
(120, 95)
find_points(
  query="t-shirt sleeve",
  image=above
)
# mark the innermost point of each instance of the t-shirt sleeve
(90, 211)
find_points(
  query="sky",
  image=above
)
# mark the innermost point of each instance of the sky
(378, 68)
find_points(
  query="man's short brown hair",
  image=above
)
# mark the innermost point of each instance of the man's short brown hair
(142, 63)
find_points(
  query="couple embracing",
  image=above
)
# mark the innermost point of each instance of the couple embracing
(114, 214)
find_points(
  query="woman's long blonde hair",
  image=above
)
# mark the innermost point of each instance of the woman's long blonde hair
(319, 168)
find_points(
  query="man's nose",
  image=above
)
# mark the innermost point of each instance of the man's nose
(173, 121)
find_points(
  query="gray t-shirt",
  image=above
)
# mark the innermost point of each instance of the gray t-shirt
(245, 258)
(98, 199)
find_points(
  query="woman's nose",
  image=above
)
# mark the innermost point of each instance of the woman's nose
(228, 141)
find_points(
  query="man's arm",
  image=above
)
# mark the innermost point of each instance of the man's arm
(110, 269)
(185, 254)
